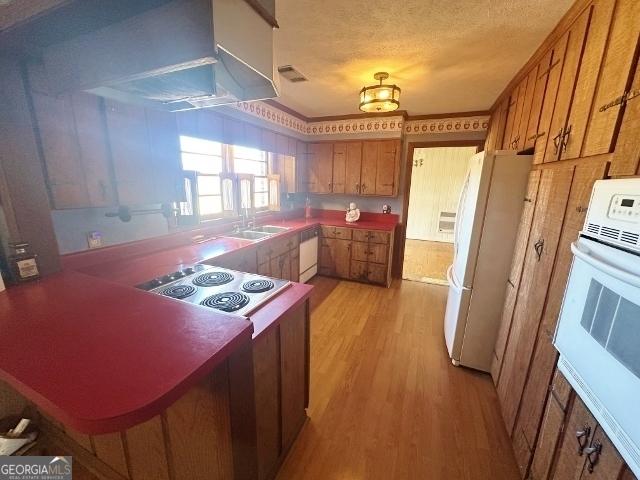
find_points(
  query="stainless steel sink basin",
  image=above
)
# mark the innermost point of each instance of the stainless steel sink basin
(270, 229)
(249, 235)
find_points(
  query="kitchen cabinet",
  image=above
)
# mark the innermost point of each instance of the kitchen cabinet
(75, 150)
(286, 167)
(495, 132)
(380, 167)
(541, 74)
(339, 168)
(353, 168)
(552, 83)
(526, 108)
(599, 24)
(335, 255)
(145, 154)
(511, 115)
(279, 258)
(513, 282)
(615, 72)
(559, 130)
(552, 199)
(302, 169)
(515, 140)
(242, 261)
(320, 167)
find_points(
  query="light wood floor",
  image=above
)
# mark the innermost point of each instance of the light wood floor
(386, 403)
(426, 261)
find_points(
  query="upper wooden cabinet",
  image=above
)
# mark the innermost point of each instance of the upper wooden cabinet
(369, 167)
(145, 153)
(74, 146)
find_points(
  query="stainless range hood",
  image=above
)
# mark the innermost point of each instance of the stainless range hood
(185, 54)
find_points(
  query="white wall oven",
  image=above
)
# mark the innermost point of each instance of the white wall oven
(598, 334)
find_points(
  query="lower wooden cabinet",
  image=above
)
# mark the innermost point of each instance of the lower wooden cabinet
(280, 258)
(334, 257)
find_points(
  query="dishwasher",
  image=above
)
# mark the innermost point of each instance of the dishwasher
(308, 254)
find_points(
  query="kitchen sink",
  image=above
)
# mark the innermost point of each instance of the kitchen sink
(270, 229)
(249, 235)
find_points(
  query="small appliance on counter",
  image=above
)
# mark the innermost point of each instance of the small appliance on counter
(222, 289)
(598, 332)
(22, 262)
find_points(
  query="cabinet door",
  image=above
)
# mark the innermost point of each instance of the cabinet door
(359, 271)
(513, 282)
(604, 464)
(302, 168)
(614, 76)
(326, 263)
(387, 167)
(545, 233)
(521, 91)
(550, 432)
(320, 159)
(265, 269)
(369, 168)
(353, 165)
(580, 429)
(360, 251)
(567, 83)
(601, 13)
(377, 273)
(544, 358)
(130, 153)
(377, 253)
(342, 258)
(339, 167)
(626, 157)
(496, 122)
(541, 76)
(553, 81)
(295, 265)
(526, 107)
(285, 266)
(511, 115)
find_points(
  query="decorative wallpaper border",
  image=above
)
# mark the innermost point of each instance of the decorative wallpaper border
(397, 124)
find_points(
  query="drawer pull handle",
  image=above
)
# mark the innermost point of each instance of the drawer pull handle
(593, 455)
(583, 438)
(539, 248)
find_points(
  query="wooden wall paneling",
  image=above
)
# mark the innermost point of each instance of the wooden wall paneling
(266, 369)
(293, 354)
(339, 167)
(551, 90)
(513, 283)
(199, 430)
(511, 115)
(387, 170)
(94, 151)
(542, 74)
(369, 167)
(110, 449)
(566, 85)
(569, 464)
(526, 107)
(146, 451)
(129, 143)
(614, 77)
(166, 164)
(552, 425)
(24, 192)
(601, 14)
(626, 156)
(547, 224)
(353, 168)
(545, 355)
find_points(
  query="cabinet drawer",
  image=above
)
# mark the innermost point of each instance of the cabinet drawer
(358, 271)
(377, 273)
(374, 236)
(327, 231)
(342, 232)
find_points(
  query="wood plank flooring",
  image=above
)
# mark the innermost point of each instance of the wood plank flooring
(426, 261)
(386, 403)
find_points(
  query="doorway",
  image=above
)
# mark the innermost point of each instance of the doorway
(437, 177)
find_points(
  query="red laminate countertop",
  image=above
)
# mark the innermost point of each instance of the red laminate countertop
(102, 357)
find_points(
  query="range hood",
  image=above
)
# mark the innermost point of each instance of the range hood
(182, 55)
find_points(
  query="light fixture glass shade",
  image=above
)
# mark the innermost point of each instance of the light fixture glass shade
(380, 98)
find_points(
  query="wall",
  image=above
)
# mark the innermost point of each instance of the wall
(435, 187)
(71, 227)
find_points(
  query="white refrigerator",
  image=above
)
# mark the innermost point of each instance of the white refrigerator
(487, 220)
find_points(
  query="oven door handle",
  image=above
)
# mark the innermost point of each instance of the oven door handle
(584, 254)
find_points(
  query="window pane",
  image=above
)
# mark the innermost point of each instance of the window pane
(241, 165)
(248, 153)
(260, 184)
(208, 185)
(200, 145)
(261, 200)
(201, 163)
(210, 205)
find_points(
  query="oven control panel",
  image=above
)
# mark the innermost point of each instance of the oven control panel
(625, 208)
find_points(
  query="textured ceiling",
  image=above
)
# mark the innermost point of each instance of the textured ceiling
(446, 55)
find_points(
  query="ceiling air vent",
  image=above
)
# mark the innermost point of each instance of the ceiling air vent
(291, 74)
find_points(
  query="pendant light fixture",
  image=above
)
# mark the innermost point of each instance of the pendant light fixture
(380, 98)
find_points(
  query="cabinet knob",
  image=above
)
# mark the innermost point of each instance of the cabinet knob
(358, 187)
(557, 141)
(539, 248)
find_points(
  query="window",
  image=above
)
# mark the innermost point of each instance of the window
(254, 162)
(211, 159)
(206, 158)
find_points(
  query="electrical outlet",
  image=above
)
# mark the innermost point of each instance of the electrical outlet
(94, 239)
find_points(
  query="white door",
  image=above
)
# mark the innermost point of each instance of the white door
(469, 218)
